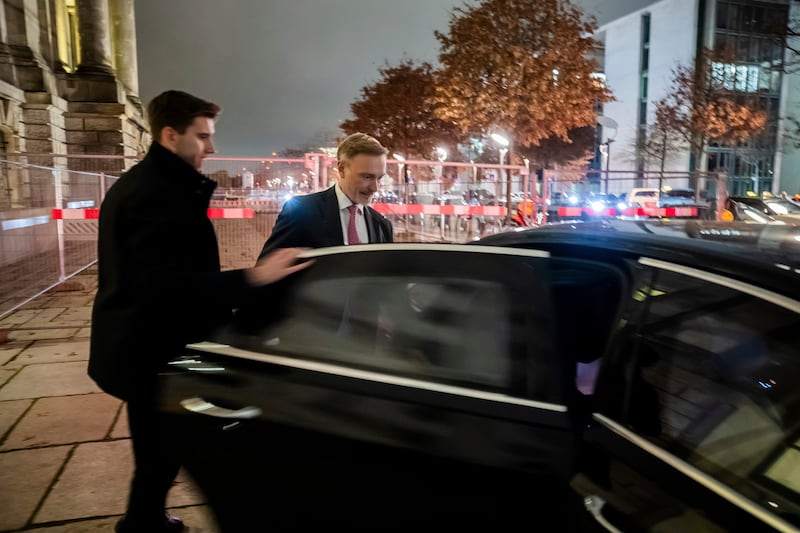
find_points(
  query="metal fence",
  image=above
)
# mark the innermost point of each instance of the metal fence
(48, 213)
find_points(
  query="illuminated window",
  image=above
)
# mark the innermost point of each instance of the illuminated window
(67, 33)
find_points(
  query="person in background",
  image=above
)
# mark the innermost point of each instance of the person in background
(338, 215)
(160, 287)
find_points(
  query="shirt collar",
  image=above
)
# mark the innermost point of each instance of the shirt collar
(344, 201)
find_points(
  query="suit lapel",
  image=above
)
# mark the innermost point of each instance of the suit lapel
(331, 218)
(370, 221)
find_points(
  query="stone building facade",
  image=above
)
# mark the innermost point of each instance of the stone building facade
(68, 86)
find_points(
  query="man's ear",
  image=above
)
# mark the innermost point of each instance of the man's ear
(169, 137)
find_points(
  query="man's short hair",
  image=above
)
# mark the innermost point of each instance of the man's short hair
(177, 109)
(359, 143)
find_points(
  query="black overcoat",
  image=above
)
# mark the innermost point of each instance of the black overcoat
(159, 280)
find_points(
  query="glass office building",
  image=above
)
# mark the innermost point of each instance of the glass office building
(644, 46)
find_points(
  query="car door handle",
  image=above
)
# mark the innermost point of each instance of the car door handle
(199, 405)
(594, 504)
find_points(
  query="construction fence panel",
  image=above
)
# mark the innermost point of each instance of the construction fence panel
(49, 214)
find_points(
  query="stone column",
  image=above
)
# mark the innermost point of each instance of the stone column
(123, 33)
(95, 46)
(22, 46)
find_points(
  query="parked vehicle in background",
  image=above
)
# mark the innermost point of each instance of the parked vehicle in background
(479, 197)
(385, 196)
(778, 208)
(603, 376)
(679, 197)
(643, 197)
(742, 212)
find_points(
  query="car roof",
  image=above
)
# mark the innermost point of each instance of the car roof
(763, 254)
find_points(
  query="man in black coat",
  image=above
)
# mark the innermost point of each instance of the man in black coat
(323, 218)
(160, 287)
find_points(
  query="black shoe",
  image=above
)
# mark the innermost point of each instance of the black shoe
(170, 524)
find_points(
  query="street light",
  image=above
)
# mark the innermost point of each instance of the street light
(499, 139)
(610, 123)
(402, 168)
(502, 141)
(441, 152)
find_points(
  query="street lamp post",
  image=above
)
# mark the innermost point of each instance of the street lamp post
(504, 143)
(608, 163)
(402, 170)
(610, 123)
(442, 155)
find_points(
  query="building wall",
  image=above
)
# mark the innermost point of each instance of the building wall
(673, 31)
(789, 157)
(68, 85)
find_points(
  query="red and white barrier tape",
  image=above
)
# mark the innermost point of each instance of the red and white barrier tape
(433, 209)
(88, 214)
(427, 209)
(665, 212)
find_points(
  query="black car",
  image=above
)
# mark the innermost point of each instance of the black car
(610, 376)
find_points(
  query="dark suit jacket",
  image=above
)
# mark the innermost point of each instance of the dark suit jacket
(313, 221)
(159, 279)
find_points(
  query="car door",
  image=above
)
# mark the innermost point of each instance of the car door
(697, 415)
(385, 384)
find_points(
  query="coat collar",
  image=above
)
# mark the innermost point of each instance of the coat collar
(179, 170)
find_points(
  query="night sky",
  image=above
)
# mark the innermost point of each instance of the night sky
(286, 71)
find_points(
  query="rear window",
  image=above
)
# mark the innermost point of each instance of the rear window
(680, 194)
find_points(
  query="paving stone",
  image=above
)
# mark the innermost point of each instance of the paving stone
(10, 351)
(95, 482)
(6, 374)
(17, 318)
(76, 314)
(37, 303)
(52, 379)
(39, 334)
(54, 352)
(10, 412)
(71, 301)
(25, 476)
(121, 430)
(103, 525)
(64, 420)
(84, 332)
(45, 317)
(198, 519)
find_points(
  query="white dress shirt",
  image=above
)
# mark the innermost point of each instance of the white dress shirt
(344, 216)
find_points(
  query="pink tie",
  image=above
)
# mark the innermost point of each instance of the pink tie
(352, 233)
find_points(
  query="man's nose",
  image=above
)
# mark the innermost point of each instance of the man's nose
(210, 147)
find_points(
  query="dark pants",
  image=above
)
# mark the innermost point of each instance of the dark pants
(156, 461)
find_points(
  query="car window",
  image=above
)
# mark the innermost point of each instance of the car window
(783, 207)
(442, 328)
(715, 383)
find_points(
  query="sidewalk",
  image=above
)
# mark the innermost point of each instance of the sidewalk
(65, 453)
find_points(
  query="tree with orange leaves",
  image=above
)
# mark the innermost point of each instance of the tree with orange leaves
(522, 68)
(710, 102)
(398, 110)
